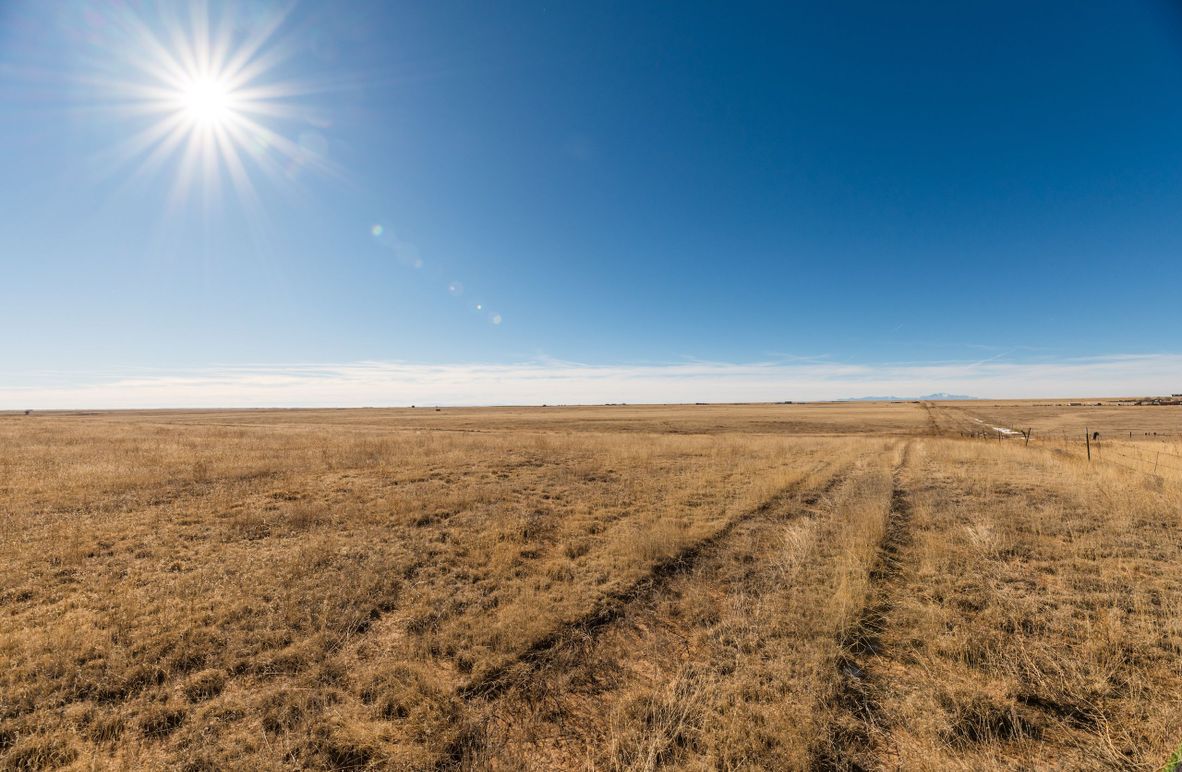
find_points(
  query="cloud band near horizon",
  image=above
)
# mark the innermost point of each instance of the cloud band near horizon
(380, 384)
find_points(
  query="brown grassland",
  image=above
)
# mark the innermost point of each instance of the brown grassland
(819, 586)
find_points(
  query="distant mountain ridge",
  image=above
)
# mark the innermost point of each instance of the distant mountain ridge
(938, 396)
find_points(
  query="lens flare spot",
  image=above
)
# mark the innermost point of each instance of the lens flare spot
(376, 229)
(455, 288)
(479, 307)
(495, 318)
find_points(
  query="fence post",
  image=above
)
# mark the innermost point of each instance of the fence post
(1088, 441)
(1029, 431)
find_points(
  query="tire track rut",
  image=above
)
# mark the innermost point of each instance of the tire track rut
(523, 686)
(853, 736)
(614, 605)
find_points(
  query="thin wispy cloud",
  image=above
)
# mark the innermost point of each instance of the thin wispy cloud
(558, 382)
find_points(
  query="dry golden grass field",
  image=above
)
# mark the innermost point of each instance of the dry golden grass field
(817, 586)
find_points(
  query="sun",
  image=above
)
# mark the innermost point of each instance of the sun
(202, 97)
(207, 101)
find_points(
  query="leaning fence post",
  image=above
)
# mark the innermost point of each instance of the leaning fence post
(1029, 431)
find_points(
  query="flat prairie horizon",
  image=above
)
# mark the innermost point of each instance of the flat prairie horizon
(842, 585)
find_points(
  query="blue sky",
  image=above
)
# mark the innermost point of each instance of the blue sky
(808, 202)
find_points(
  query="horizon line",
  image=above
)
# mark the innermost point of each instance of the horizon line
(373, 383)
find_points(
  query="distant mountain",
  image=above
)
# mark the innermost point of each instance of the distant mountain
(938, 396)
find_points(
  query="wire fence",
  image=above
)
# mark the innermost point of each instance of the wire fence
(1157, 464)
(1155, 472)
(1150, 453)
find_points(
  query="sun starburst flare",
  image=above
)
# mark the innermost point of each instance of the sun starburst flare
(204, 99)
